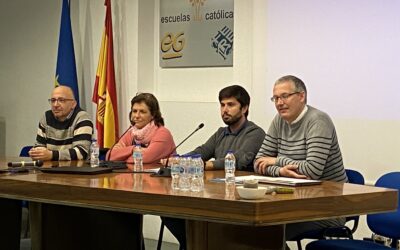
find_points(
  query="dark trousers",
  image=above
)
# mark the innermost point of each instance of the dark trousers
(10, 218)
(65, 228)
(178, 228)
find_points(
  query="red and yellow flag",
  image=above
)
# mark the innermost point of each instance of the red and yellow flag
(104, 94)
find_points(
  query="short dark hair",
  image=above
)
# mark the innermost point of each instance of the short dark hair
(298, 84)
(151, 101)
(239, 93)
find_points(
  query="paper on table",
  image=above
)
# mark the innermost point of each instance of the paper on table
(279, 180)
(273, 180)
(149, 171)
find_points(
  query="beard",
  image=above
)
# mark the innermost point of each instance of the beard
(231, 120)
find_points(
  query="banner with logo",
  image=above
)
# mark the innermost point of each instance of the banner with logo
(196, 33)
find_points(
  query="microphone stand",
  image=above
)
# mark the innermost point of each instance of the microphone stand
(165, 171)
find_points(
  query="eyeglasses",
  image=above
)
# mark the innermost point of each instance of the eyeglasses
(283, 97)
(59, 100)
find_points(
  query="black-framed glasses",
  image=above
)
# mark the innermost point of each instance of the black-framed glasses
(283, 97)
(59, 100)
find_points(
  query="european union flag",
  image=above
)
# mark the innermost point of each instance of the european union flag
(66, 67)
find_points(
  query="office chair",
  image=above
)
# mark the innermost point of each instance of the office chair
(354, 177)
(24, 151)
(103, 153)
(384, 224)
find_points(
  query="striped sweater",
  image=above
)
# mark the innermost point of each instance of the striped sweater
(69, 139)
(311, 144)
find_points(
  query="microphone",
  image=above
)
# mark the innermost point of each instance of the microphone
(109, 155)
(37, 163)
(165, 171)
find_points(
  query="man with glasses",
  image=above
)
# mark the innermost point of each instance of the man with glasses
(301, 143)
(240, 135)
(65, 131)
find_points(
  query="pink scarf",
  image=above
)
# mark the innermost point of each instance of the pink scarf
(144, 135)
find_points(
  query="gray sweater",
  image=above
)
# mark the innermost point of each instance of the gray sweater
(311, 143)
(244, 144)
(69, 139)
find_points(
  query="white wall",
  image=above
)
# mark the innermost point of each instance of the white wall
(346, 51)
(28, 50)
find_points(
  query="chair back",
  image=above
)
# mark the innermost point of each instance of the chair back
(387, 224)
(25, 151)
(354, 177)
(103, 153)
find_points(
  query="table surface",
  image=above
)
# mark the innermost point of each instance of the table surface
(141, 193)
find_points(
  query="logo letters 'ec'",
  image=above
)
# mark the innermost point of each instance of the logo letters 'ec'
(177, 43)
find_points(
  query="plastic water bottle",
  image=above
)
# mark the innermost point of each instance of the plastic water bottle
(230, 191)
(94, 154)
(175, 171)
(137, 158)
(197, 183)
(230, 164)
(184, 178)
(200, 168)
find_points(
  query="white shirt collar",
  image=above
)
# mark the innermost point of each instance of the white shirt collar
(301, 115)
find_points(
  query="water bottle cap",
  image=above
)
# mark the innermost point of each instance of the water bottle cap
(94, 140)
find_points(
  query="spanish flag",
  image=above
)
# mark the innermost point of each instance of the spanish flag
(66, 67)
(104, 94)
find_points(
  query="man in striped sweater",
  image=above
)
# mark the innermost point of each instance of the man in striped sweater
(65, 131)
(301, 143)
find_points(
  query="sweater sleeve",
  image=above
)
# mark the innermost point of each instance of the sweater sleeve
(269, 147)
(160, 146)
(207, 150)
(246, 151)
(81, 140)
(41, 133)
(319, 140)
(122, 151)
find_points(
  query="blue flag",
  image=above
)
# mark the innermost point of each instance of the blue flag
(66, 67)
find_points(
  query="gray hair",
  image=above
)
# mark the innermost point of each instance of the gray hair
(299, 85)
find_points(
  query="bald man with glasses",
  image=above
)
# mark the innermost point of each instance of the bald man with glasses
(301, 143)
(65, 131)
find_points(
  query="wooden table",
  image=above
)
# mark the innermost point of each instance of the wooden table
(216, 217)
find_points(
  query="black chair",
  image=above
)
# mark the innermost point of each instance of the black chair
(383, 224)
(354, 177)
